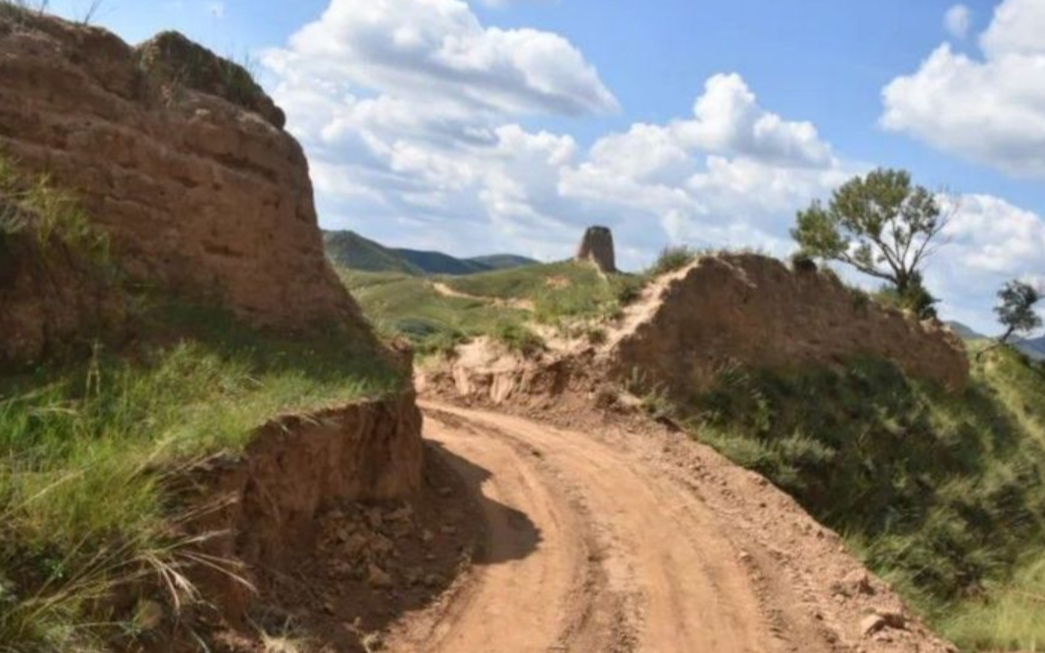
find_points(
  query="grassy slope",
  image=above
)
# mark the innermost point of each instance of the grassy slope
(943, 494)
(562, 294)
(566, 290)
(85, 447)
(410, 307)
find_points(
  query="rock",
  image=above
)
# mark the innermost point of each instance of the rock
(597, 247)
(882, 619)
(377, 577)
(854, 583)
(871, 624)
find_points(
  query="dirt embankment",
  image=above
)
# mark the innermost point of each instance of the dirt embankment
(690, 325)
(178, 156)
(756, 311)
(313, 525)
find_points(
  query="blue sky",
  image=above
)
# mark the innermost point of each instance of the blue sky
(481, 125)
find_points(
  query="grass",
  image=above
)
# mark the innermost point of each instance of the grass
(570, 295)
(671, 259)
(410, 307)
(559, 291)
(33, 207)
(518, 338)
(85, 450)
(170, 57)
(944, 495)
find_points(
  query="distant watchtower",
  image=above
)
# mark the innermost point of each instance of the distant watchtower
(597, 247)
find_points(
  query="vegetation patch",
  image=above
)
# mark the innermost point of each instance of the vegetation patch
(571, 296)
(558, 291)
(942, 494)
(34, 208)
(672, 259)
(85, 451)
(87, 448)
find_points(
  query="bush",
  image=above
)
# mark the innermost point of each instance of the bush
(518, 339)
(672, 258)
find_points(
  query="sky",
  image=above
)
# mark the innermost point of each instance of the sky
(480, 126)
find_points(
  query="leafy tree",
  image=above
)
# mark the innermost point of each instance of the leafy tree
(917, 298)
(1015, 309)
(880, 224)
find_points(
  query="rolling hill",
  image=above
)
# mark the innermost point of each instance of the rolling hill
(1033, 347)
(349, 250)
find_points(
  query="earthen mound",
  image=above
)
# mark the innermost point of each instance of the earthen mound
(179, 157)
(753, 310)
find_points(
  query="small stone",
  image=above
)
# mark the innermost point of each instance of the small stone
(855, 582)
(445, 491)
(427, 536)
(744, 557)
(871, 624)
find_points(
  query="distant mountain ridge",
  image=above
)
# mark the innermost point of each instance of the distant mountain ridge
(1033, 347)
(350, 250)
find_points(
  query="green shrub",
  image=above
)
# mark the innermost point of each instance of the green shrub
(519, 339)
(672, 258)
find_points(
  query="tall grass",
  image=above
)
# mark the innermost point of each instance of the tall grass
(85, 451)
(672, 258)
(34, 206)
(943, 494)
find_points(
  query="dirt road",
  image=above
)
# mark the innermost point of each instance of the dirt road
(589, 551)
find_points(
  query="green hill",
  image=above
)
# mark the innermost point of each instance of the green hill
(439, 263)
(349, 250)
(502, 261)
(1035, 348)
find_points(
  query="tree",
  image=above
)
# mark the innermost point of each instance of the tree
(1015, 309)
(880, 224)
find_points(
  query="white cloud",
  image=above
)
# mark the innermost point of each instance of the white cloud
(436, 51)
(957, 21)
(990, 110)
(989, 241)
(406, 146)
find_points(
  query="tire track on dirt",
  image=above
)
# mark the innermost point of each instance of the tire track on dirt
(626, 560)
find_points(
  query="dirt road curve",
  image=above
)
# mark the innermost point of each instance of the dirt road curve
(589, 550)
